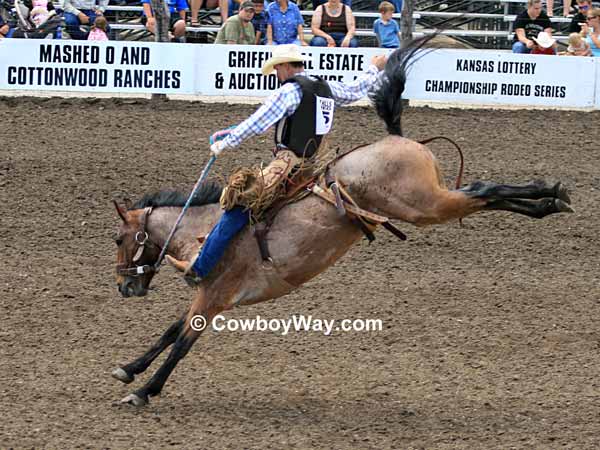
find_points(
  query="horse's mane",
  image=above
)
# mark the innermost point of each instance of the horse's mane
(387, 99)
(208, 192)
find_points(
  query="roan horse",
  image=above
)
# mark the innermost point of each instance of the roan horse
(394, 177)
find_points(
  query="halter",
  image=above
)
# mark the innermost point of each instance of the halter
(142, 240)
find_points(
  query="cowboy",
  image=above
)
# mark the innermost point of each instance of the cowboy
(303, 110)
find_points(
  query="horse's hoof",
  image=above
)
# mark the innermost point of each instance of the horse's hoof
(135, 400)
(562, 193)
(122, 375)
(562, 206)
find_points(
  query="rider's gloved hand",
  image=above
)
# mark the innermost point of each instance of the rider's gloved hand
(217, 148)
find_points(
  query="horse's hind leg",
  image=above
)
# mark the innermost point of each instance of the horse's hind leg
(533, 191)
(127, 373)
(533, 208)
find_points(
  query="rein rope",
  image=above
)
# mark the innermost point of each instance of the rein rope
(219, 135)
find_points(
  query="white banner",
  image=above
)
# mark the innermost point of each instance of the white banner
(236, 69)
(475, 76)
(597, 81)
(451, 76)
(45, 64)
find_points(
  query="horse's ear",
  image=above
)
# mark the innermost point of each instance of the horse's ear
(120, 211)
(128, 203)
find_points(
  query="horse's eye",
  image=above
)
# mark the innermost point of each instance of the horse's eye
(119, 241)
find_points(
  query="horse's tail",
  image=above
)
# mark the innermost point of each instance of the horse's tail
(388, 97)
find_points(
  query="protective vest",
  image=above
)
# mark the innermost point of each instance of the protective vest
(303, 131)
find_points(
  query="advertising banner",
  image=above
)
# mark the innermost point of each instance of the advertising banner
(444, 75)
(475, 76)
(68, 65)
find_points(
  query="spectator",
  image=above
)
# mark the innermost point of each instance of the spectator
(528, 25)
(259, 22)
(333, 26)
(196, 5)
(397, 5)
(98, 31)
(317, 3)
(386, 29)
(566, 8)
(583, 7)
(39, 13)
(81, 12)
(284, 24)
(177, 10)
(5, 30)
(238, 29)
(544, 44)
(577, 46)
(591, 31)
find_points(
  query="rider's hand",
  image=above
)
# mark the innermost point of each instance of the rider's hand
(217, 148)
(379, 61)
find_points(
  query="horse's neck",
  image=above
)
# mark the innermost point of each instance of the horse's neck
(197, 221)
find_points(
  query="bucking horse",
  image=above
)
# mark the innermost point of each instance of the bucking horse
(395, 178)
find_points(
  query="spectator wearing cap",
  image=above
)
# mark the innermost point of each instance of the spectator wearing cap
(238, 29)
(177, 10)
(544, 44)
(528, 25)
(284, 24)
(583, 7)
(81, 12)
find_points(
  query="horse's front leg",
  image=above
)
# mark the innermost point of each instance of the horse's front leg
(183, 343)
(127, 373)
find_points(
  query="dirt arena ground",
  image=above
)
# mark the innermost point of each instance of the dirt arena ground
(491, 332)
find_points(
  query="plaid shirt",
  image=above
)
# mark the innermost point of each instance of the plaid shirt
(283, 102)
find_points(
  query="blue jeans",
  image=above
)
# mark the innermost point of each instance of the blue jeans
(230, 224)
(519, 47)
(232, 7)
(73, 24)
(319, 41)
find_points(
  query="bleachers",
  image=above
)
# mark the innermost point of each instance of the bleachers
(498, 35)
(478, 24)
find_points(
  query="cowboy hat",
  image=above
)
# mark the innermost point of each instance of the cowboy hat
(283, 54)
(544, 40)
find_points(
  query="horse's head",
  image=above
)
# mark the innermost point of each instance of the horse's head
(136, 253)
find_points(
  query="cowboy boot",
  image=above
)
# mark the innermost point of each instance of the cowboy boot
(187, 267)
